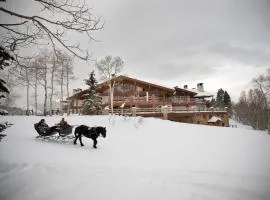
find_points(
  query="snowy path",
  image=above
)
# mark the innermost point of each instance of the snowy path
(154, 159)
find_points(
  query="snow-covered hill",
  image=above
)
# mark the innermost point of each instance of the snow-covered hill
(141, 158)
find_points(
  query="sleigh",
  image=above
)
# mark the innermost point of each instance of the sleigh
(44, 132)
(65, 131)
(55, 133)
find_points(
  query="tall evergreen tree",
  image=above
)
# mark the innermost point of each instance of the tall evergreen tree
(227, 99)
(220, 98)
(92, 102)
(5, 59)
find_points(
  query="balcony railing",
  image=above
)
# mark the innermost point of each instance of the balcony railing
(177, 109)
(155, 101)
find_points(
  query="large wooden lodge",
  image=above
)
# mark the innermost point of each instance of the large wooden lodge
(183, 104)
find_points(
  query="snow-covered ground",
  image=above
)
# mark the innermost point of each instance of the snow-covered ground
(141, 158)
(236, 124)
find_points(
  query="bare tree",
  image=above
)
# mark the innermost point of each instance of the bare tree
(262, 83)
(27, 81)
(51, 26)
(109, 68)
(65, 73)
(36, 71)
(53, 71)
(253, 106)
(69, 76)
(250, 109)
(61, 81)
(23, 76)
(42, 62)
(69, 73)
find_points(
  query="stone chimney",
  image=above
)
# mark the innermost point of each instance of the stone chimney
(185, 86)
(200, 87)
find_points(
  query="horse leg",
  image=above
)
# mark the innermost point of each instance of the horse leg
(76, 138)
(75, 141)
(95, 143)
(80, 138)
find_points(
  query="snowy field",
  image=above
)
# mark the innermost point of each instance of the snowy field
(141, 158)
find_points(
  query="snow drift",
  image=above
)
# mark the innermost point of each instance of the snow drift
(141, 158)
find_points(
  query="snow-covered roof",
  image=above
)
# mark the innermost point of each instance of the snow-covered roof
(214, 119)
(201, 94)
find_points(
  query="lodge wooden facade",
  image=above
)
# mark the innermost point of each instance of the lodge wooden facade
(131, 92)
(137, 93)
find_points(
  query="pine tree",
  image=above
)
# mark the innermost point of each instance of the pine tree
(220, 98)
(227, 99)
(5, 59)
(92, 102)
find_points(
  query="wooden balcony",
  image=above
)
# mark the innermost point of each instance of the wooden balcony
(157, 101)
(178, 109)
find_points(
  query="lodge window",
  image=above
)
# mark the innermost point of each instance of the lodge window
(139, 89)
(125, 87)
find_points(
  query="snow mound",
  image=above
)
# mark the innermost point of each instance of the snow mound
(215, 119)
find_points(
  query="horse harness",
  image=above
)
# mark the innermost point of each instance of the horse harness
(92, 132)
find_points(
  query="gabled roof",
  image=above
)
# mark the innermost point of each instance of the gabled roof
(177, 89)
(137, 81)
(103, 86)
(78, 94)
(202, 94)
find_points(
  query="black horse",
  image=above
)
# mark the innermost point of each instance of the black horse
(89, 132)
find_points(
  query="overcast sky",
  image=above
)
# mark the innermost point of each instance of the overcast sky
(222, 43)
